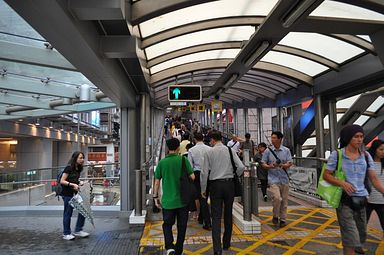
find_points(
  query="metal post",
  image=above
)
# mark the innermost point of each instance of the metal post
(227, 122)
(245, 120)
(247, 188)
(254, 190)
(143, 128)
(235, 131)
(259, 125)
(138, 200)
(332, 124)
(320, 152)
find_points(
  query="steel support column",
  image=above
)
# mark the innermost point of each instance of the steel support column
(245, 120)
(143, 111)
(235, 131)
(320, 151)
(332, 124)
(259, 125)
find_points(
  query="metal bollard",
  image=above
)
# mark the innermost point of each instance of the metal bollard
(247, 195)
(254, 190)
(138, 195)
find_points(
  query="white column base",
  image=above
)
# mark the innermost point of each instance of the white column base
(137, 219)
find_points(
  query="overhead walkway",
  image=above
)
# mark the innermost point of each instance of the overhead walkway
(310, 230)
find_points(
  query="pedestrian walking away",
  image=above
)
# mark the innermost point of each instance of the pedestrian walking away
(196, 157)
(218, 166)
(262, 174)
(169, 171)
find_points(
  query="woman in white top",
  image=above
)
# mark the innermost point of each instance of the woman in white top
(376, 199)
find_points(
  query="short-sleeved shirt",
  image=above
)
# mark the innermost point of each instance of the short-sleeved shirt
(235, 145)
(169, 171)
(354, 170)
(376, 197)
(277, 175)
(248, 145)
(73, 177)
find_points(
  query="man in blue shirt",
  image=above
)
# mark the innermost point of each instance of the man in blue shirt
(277, 159)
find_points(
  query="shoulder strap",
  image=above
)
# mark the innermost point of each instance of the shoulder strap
(339, 164)
(232, 161)
(233, 144)
(274, 154)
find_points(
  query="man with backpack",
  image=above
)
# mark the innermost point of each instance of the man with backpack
(277, 160)
(169, 171)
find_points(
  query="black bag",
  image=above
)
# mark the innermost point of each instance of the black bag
(187, 188)
(236, 180)
(354, 202)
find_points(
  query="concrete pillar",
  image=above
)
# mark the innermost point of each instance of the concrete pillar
(129, 157)
(320, 151)
(332, 124)
(227, 121)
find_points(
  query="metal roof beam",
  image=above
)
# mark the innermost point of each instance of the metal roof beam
(33, 56)
(64, 109)
(98, 9)
(144, 10)
(373, 5)
(268, 34)
(79, 43)
(329, 25)
(118, 46)
(200, 26)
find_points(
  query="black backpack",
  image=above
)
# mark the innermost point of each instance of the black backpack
(59, 187)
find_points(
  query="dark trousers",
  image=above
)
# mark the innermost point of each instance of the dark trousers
(221, 192)
(264, 186)
(379, 208)
(68, 210)
(169, 218)
(204, 211)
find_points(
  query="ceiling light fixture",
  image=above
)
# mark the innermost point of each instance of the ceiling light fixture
(297, 12)
(250, 61)
(37, 123)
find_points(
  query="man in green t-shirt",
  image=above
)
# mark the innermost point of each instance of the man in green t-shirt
(169, 170)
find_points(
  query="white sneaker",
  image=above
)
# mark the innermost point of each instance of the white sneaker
(170, 252)
(81, 234)
(68, 237)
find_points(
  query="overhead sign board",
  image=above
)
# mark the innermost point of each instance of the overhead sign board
(217, 106)
(184, 93)
(178, 103)
(201, 107)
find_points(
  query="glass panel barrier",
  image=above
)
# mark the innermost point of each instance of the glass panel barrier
(37, 186)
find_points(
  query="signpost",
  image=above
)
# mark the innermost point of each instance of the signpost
(217, 106)
(184, 93)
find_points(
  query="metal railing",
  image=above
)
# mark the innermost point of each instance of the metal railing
(146, 173)
(36, 186)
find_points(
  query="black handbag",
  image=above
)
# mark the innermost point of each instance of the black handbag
(188, 190)
(236, 180)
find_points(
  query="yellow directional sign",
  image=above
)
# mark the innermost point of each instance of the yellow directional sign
(217, 106)
(192, 108)
(201, 107)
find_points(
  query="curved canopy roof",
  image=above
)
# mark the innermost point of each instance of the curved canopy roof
(251, 53)
(252, 49)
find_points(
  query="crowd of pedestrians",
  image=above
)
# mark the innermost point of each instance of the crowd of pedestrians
(213, 165)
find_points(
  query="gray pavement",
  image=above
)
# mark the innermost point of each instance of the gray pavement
(43, 235)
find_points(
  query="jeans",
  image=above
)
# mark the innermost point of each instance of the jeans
(379, 208)
(169, 218)
(67, 218)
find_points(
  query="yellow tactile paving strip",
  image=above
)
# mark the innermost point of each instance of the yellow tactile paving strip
(309, 231)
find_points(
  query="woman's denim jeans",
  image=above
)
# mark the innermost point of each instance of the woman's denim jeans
(67, 218)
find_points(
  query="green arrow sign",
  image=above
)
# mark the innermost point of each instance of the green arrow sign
(176, 92)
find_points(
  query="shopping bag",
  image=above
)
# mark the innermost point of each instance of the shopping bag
(331, 193)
